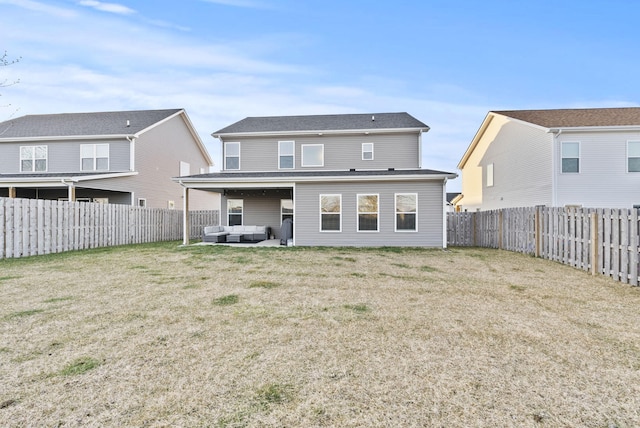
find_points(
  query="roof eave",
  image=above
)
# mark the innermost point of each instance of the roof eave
(290, 180)
(67, 138)
(319, 132)
(476, 139)
(623, 128)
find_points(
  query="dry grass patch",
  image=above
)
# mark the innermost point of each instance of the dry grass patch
(157, 335)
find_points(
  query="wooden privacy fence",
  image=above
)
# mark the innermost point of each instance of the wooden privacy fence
(31, 227)
(604, 241)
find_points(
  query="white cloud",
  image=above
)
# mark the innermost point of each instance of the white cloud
(97, 62)
(107, 7)
(36, 6)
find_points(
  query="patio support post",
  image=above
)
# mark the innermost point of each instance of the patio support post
(12, 192)
(186, 226)
(72, 193)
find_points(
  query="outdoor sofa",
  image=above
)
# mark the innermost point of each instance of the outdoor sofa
(241, 233)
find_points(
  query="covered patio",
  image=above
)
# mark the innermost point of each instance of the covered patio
(246, 199)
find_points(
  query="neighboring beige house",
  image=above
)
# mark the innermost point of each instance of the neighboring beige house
(343, 179)
(121, 157)
(567, 157)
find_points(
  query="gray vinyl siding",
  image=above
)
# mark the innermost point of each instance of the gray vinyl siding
(258, 209)
(158, 153)
(430, 214)
(64, 156)
(341, 152)
(603, 180)
(522, 167)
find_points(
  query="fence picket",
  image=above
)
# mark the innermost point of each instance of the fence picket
(33, 227)
(560, 234)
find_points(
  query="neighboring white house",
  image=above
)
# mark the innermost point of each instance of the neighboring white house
(567, 157)
(120, 157)
(346, 179)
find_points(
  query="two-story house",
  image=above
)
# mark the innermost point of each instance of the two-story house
(121, 157)
(349, 179)
(567, 157)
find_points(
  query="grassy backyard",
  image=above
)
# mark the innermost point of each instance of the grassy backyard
(157, 335)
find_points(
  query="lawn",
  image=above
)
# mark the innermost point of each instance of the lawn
(159, 335)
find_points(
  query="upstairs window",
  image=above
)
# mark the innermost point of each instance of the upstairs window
(185, 169)
(286, 154)
(33, 158)
(232, 156)
(367, 213)
(367, 151)
(313, 155)
(94, 157)
(330, 213)
(406, 212)
(490, 175)
(570, 157)
(633, 156)
(234, 211)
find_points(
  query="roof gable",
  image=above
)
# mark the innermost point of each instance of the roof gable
(315, 123)
(83, 124)
(573, 118)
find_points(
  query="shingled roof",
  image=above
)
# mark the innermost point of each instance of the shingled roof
(319, 123)
(571, 118)
(83, 124)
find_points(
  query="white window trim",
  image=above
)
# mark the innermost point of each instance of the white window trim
(185, 168)
(377, 213)
(395, 213)
(367, 151)
(241, 214)
(490, 175)
(629, 157)
(95, 157)
(579, 156)
(226, 157)
(33, 158)
(302, 162)
(339, 195)
(280, 154)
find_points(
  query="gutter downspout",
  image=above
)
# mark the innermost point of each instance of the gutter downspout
(132, 153)
(555, 155)
(444, 213)
(420, 150)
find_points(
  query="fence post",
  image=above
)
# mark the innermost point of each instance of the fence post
(500, 228)
(536, 231)
(594, 243)
(473, 222)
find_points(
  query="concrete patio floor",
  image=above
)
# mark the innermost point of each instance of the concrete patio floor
(265, 243)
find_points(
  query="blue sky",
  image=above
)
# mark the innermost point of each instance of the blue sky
(445, 62)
